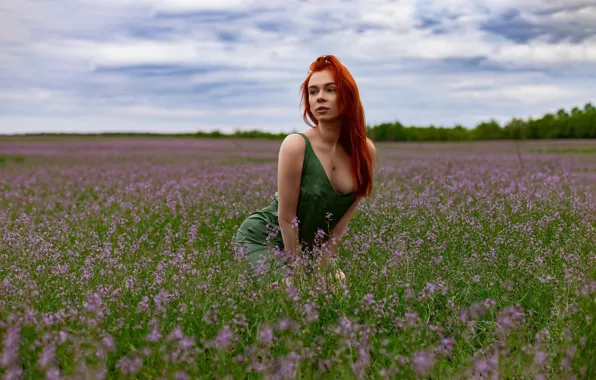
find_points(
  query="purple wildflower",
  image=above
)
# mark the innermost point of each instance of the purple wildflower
(224, 338)
(130, 366)
(423, 362)
(266, 336)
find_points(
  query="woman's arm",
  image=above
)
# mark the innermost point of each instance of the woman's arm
(340, 228)
(337, 233)
(289, 172)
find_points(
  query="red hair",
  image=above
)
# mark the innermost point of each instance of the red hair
(353, 132)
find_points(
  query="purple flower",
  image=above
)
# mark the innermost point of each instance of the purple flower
(368, 299)
(46, 360)
(175, 334)
(477, 310)
(155, 334)
(143, 305)
(285, 324)
(446, 346)
(510, 318)
(412, 319)
(266, 336)
(130, 366)
(484, 367)
(10, 357)
(311, 312)
(423, 362)
(109, 343)
(224, 339)
(540, 358)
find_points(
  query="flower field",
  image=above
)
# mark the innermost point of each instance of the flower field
(471, 260)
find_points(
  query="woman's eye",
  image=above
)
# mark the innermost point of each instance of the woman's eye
(312, 92)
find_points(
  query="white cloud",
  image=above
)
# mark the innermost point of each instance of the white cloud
(97, 123)
(542, 54)
(79, 71)
(175, 6)
(147, 52)
(525, 94)
(584, 15)
(397, 16)
(534, 5)
(175, 112)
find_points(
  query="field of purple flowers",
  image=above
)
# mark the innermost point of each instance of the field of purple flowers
(470, 260)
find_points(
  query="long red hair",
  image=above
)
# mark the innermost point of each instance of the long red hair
(353, 132)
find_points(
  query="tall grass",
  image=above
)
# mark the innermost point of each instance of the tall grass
(459, 266)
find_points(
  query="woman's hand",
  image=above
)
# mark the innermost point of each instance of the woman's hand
(287, 282)
(334, 277)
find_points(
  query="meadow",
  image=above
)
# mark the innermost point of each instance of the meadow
(470, 260)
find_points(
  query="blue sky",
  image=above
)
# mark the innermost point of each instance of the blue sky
(182, 66)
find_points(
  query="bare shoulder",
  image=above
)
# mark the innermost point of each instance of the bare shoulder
(373, 151)
(292, 146)
(371, 146)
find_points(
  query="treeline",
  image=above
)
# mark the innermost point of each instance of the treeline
(215, 134)
(578, 123)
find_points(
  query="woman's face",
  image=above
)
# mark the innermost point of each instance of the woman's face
(322, 96)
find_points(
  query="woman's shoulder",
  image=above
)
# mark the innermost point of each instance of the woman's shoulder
(293, 144)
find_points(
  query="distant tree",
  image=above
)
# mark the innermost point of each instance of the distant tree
(490, 130)
(513, 129)
(590, 115)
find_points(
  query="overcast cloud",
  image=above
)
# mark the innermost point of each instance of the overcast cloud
(183, 66)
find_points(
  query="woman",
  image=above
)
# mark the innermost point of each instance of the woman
(323, 173)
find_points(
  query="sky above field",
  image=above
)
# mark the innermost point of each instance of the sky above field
(180, 66)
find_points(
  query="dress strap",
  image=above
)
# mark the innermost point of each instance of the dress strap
(305, 139)
(307, 149)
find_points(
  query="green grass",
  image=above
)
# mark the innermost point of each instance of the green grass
(4, 160)
(80, 251)
(572, 150)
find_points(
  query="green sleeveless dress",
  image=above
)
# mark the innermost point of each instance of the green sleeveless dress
(320, 207)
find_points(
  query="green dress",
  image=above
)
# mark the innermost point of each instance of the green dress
(320, 207)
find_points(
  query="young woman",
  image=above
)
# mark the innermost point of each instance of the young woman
(323, 173)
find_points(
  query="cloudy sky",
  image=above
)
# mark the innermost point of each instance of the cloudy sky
(183, 66)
